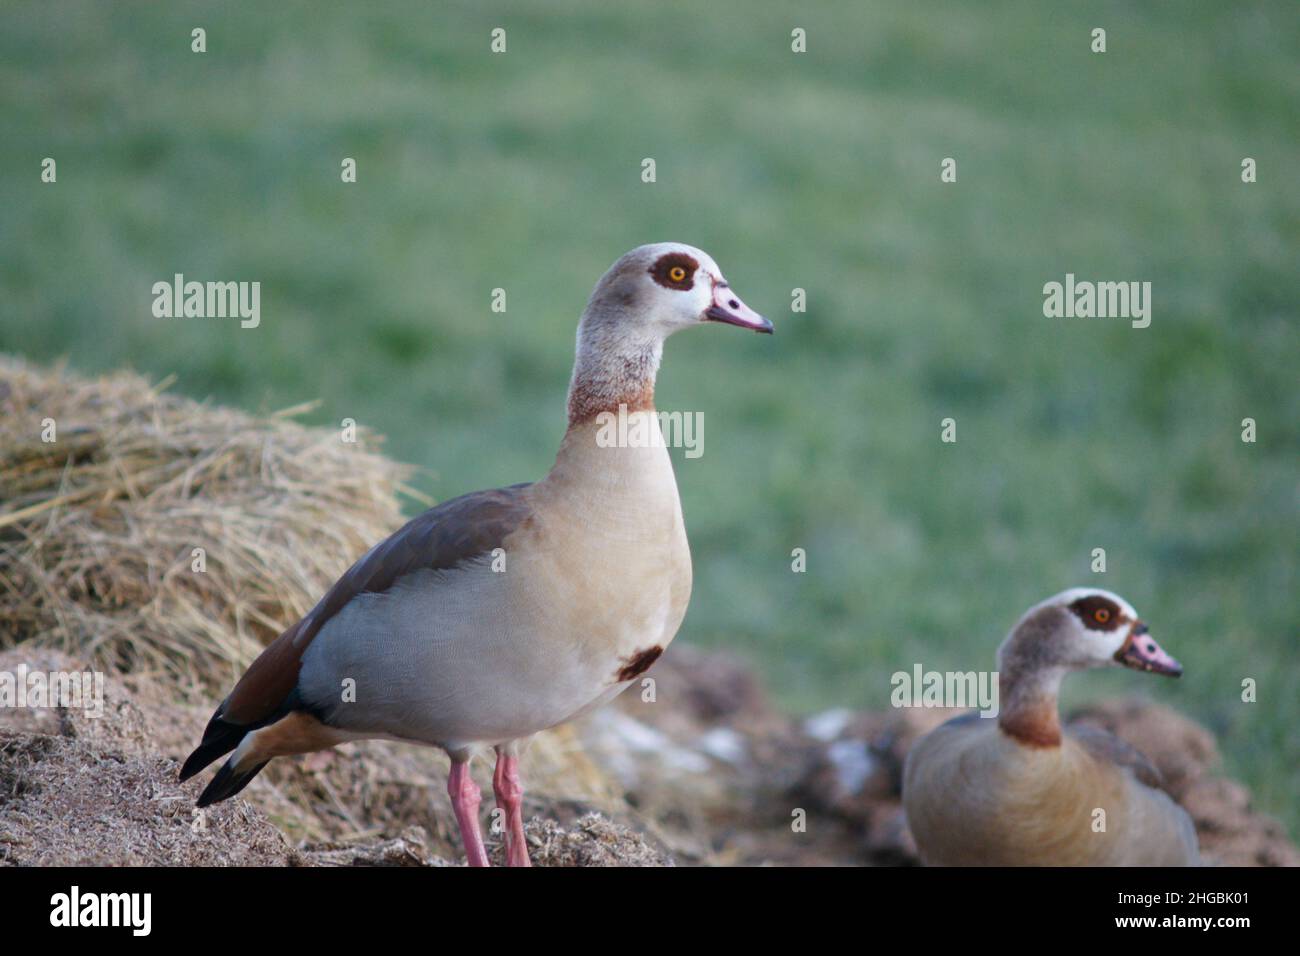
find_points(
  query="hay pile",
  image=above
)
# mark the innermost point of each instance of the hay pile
(98, 528)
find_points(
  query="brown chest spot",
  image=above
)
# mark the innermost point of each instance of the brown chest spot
(638, 663)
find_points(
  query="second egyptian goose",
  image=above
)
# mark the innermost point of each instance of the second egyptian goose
(502, 613)
(1020, 791)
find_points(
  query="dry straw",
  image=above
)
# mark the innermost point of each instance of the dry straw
(99, 528)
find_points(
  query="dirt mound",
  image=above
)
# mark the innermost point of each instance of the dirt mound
(707, 783)
(78, 790)
(591, 840)
(727, 779)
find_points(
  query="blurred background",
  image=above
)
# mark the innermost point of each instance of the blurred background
(817, 170)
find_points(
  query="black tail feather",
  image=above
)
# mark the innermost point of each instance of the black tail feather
(227, 783)
(219, 739)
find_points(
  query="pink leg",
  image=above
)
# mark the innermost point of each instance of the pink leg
(465, 800)
(510, 797)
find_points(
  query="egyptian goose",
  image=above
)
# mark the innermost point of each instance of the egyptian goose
(1020, 792)
(501, 613)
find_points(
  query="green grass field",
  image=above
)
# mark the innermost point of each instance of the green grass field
(818, 170)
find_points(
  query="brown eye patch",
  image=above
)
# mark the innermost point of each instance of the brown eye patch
(675, 270)
(1097, 613)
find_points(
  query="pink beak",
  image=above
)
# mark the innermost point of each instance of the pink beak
(1141, 652)
(728, 308)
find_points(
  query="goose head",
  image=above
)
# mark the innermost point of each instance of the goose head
(1081, 628)
(658, 289)
(644, 297)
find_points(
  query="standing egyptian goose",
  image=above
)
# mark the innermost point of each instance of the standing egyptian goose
(1018, 791)
(501, 613)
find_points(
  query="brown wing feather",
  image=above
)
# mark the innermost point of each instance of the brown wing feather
(1106, 746)
(443, 537)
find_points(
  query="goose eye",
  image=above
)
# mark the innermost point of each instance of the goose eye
(677, 274)
(1101, 615)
